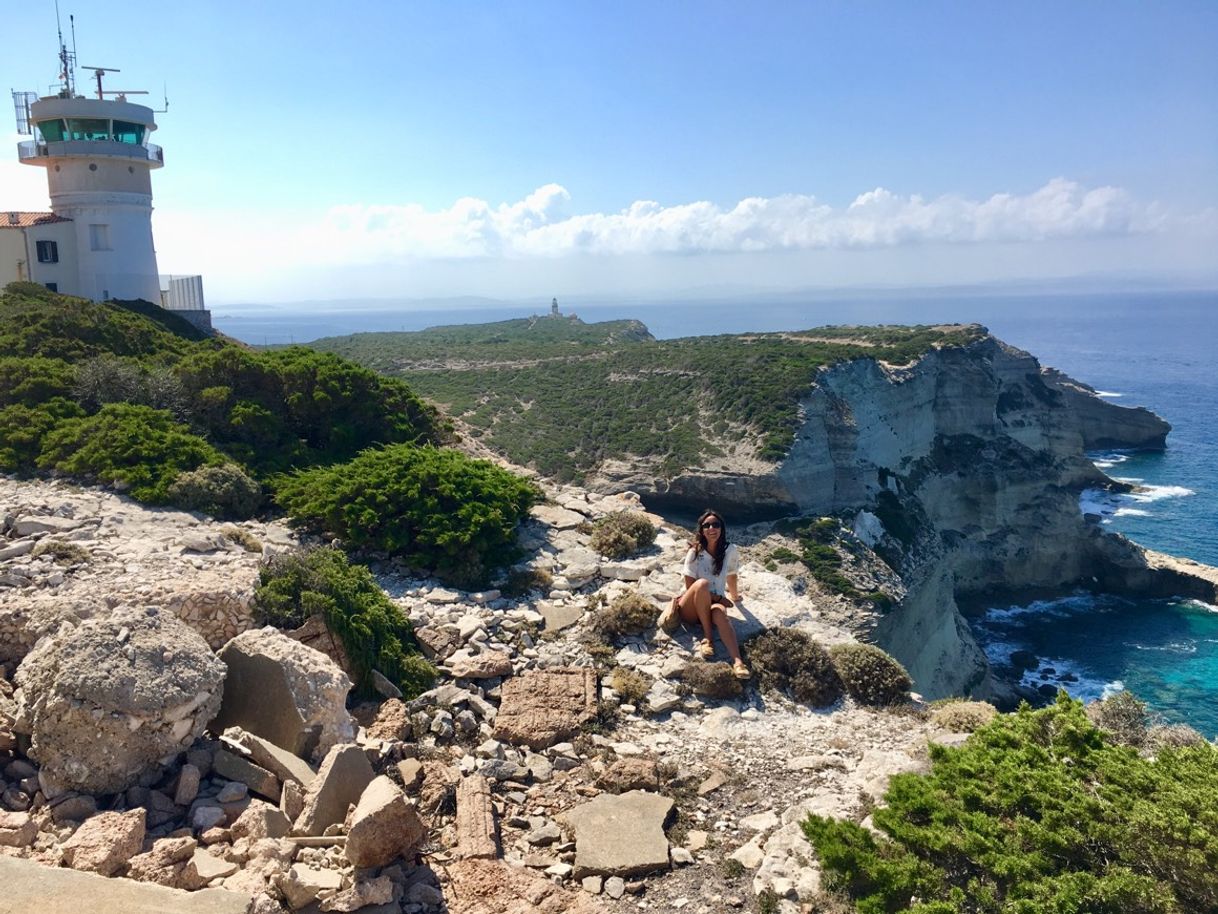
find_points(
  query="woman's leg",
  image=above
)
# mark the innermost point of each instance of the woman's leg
(727, 634)
(696, 606)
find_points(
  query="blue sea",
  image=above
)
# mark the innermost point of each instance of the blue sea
(1139, 348)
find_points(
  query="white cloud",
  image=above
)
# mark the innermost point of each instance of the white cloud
(541, 226)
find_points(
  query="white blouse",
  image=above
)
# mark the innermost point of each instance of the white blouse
(702, 565)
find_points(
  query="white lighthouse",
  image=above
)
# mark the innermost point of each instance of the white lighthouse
(99, 172)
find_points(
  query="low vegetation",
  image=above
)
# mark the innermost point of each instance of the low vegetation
(622, 534)
(1040, 812)
(225, 491)
(869, 675)
(788, 660)
(960, 716)
(629, 613)
(563, 396)
(631, 685)
(294, 587)
(438, 509)
(710, 679)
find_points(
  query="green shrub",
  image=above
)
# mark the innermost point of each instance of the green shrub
(960, 716)
(143, 448)
(870, 675)
(24, 428)
(293, 587)
(1122, 716)
(790, 661)
(1038, 813)
(622, 534)
(631, 685)
(438, 509)
(31, 381)
(783, 554)
(711, 680)
(629, 614)
(224, 491)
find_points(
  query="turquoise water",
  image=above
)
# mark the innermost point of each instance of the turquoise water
(1158, 350)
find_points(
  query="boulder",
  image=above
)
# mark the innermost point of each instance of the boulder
(543, 707)
(340, 782)
(106, 700)
(17, 829)
(261, 820)
(383, 826)
(620, 835)
(104, 843)
(286, 692)
(170, 863)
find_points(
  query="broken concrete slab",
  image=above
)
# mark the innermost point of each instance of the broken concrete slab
(105, 842)
(383, 826)
(278, 761)
(477, 830)
(487, 665)
(29, 886)
(17, 829)
(235, 768)
(620, 835)
(560, 615)
(344, 774)
(543, 707)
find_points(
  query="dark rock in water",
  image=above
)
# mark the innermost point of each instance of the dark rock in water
(1047, 672)
(1024, 660)
(1067, 677)
(1048, 691)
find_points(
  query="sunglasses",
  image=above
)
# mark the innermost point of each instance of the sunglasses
(712, 525)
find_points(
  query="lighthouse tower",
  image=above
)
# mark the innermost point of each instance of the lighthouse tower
(99, 172)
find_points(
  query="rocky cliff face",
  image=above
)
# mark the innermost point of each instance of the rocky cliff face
(980, 447)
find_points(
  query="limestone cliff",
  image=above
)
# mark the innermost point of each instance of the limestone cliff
(973, 457)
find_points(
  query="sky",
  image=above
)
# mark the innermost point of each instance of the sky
(317, 151)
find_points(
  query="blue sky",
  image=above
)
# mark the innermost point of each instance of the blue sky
(523, 149)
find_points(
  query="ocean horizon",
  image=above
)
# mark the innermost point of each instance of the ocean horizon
(1136, 348)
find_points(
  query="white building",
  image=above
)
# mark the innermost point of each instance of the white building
(97, 240)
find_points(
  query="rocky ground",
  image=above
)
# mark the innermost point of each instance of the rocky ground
(522, 782)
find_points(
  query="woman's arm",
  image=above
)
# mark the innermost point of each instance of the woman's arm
(733, 588)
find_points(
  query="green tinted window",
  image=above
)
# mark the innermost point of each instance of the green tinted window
(126, 132)
(88, 128)
(52, 131)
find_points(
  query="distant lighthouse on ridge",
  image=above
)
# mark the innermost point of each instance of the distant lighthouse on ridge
(97, 240)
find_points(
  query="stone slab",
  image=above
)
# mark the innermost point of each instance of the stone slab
(30, 886)
(560, 615)
(543, 707)
(477, 830)
(233, 767)
(278, 761)
(340, 782)
(620, 835)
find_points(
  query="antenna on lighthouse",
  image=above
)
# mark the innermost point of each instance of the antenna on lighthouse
(67, 59)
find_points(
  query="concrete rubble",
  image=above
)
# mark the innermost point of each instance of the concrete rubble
(520, 782)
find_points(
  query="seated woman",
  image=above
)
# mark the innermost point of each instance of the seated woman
(710, 575)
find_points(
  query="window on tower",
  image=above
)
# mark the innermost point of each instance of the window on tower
(99, 237)
(88, 128)
(126, 132)
(52, 131)
(48, 251)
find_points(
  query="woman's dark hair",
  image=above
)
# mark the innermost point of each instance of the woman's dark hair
(699, 545)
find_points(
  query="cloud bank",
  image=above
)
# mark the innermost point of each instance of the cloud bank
(541, 225)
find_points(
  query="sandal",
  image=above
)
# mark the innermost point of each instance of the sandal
(740, 670)
(670, 618)
(705, 649)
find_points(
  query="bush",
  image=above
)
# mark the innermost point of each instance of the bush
(629, 614)
(789, 661)
(963, 716)
(438, 509)
(622, 534)
(24, 428)
(1172, 736)
(1038, 813)
(62, 553)
(631, 686)
(1122, 717)
(711, 680)
(870, 675)
(242, 537)
(293, 587)
(224, 491)
(522, 580)
(139, 447)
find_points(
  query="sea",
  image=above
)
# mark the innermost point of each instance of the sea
(1136, 347)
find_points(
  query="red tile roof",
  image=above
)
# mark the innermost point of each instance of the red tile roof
(11, 219)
